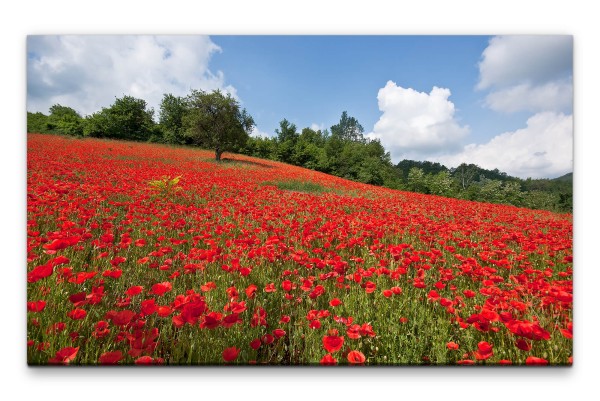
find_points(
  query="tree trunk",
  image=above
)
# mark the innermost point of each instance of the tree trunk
(218, 153)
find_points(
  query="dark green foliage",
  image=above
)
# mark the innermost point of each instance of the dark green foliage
(127, 118)
(64, 120)
(172, 112)
(37, 122)
(215, 121)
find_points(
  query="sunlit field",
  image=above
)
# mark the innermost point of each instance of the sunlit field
(149, 254)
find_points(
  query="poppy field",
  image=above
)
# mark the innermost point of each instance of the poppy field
(149, 254)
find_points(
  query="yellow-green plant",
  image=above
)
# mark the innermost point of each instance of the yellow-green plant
(166, 186)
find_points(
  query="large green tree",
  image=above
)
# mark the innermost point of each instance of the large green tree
(215, 120)
(172, 110)
(64, 120)
(348, 129)
(127, 118)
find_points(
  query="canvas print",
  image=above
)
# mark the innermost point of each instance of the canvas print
(299, 200)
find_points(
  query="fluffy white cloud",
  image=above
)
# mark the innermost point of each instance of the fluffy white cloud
(528, 73)
(511, 60)
(416, 124)
(88, 72)
(258, 133)
(551, 96)
(542, 149)
(317, 127)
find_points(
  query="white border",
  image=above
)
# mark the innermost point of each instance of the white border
(307, 17)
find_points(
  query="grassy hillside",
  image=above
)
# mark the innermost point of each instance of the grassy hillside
(149, 254)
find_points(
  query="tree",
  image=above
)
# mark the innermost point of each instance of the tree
(37, 122)
(465, 174)
(286, 141)
(215, 120)
(64, 120)
(172, 110)
(348, 129)
(127, 118)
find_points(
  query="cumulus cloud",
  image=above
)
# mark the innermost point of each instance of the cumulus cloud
(551, 96)
(416, 124)
(257, 133)
(528, 73)
(88, 72)
(544, 148)
(317, 127)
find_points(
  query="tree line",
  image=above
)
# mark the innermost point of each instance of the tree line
(215, 120)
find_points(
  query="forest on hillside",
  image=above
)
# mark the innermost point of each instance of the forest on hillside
(216, 121)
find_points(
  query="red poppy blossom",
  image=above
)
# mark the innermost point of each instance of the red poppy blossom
(335, 302)
(523, 345)
(110, 358)
(135, 290)
(452, 345)
(333, 342)
(230, 354)
(36, 306)
(532, 360)
(328, 359)
(356, 358)
(255, 344)
(161, 288)
(77, 314)
(64, 356)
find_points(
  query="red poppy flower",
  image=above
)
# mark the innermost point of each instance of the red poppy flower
(163, 311)
(77, 314)
(328, 359)
(333, 342)
(452, 345)
(135, 290)
(64, 356)
(161, 288)
(523, 345)
(356, 358)
(278, 333)
(484, 351)
(387, 293)
(396, 290)
(36, 306)
(504, 362)
(211, 320)
(465, 362)
(315, 324)
(148, 360)
(208, 286)
(40, 272)
(121, 318)
(230, 320)
(251, 291)
(255, 344)
(532, 360)
(230, 354)
(335, 302)
(110, 358)
(370, 287)
(270, 287)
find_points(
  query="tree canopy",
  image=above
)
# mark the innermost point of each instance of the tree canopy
(214, 120)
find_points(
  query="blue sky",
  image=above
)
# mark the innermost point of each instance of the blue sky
(499, 102)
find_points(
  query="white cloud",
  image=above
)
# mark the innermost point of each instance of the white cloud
(416, 124)
(551, 96)
(88, 72)
(528, 73)
(513, 60)
(258, 133)
(542, 149)
(317, 127)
